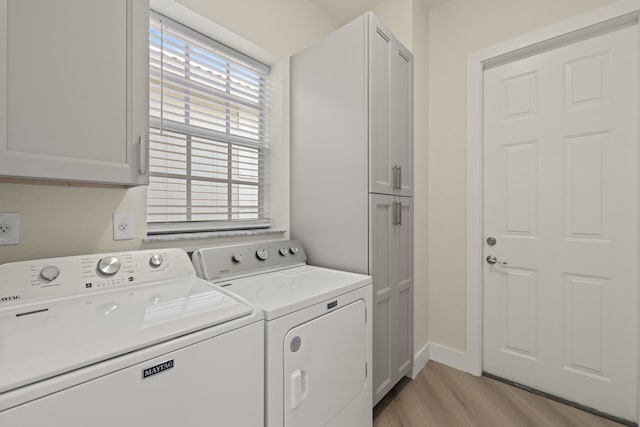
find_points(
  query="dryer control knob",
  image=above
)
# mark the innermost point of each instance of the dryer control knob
(236, 257)
(262, 254)
(294, 250)
(109, 266)
(50, 273)
(156, 260)
(283, 251)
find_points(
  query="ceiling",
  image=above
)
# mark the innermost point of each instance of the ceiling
(343, 11)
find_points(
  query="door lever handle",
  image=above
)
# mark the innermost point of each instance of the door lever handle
(491, 259)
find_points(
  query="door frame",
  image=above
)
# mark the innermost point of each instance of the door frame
(624, 12)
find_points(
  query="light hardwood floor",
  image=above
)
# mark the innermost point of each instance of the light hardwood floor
(444, 397)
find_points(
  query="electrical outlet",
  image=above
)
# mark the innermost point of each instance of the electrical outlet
(122, 226)
(9, 228)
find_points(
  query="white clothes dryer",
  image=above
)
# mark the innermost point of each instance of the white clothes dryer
(317, 331)
(126, 339)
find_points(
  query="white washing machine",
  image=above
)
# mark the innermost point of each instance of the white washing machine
(317, 331)
(126, 339)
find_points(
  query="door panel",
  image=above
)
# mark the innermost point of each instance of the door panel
(583, 311)
(28, 85)
(392, 272)
(561, 199)
(326, 370)
(403, 281)
(382, 239)
(81, 119)
(382, 345)
(401, 118)
(391, 114)
(380, 141)
(520, 315)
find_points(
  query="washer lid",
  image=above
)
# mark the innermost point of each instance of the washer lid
(48, 338)
(285, 291)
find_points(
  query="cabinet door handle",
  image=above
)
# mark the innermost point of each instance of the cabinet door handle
(142, 142)
(397, 213)
(400, 183)
(394, 220)
(396, 177)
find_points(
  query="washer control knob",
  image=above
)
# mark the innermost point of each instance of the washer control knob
(236, 257)
(283, 251)
(156, 260)
(294, 250)
(262, 254)
(109, 266)
(50, 273)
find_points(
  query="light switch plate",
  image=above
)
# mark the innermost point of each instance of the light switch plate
(122, 226)
(9, 228)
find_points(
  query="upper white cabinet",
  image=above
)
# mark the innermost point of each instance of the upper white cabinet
(391, 113)
(74, 90)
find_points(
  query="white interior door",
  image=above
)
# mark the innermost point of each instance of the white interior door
(560, 198)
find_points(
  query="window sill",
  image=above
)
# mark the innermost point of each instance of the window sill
(211, 235)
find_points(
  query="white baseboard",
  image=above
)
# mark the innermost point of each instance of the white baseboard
(420, 360)
(450, 357)
(447, 356)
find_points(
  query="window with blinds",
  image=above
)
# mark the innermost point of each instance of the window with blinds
(207, 151)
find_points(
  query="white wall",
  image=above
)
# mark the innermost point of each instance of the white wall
(456, 29)
(283, 27)
(420, 173)
(397, 15)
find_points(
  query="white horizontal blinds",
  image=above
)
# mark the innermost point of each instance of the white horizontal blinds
(208, 106)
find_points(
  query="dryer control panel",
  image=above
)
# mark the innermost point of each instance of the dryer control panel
(74, 275)
(226, 262)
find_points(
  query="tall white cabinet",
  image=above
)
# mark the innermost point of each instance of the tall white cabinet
(352, 175)
(74, 90)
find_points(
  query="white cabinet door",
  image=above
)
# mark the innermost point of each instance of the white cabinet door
(402, 276)
(73, 90)
(390, 113)
(382, 236)
(381, 158)
(391, 266)
(401, 119)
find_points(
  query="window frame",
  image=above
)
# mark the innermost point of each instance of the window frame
(233, 144)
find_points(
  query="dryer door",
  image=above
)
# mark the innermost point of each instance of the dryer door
(325, 370)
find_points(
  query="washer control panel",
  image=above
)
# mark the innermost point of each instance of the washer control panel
(223, 262)
(68, 276)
